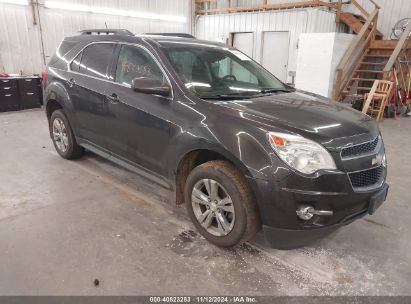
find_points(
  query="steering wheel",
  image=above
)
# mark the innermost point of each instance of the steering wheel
(232, 77)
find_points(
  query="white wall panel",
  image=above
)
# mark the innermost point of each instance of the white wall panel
(21, 43)
(297, 21)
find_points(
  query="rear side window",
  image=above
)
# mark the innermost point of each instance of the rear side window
(96, 59)
(75, 64)
(64, 47)
(134, 62)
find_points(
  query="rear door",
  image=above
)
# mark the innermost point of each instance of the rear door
(87, 84)
(137, 124)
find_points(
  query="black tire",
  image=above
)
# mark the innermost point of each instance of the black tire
(73, 150)
(247, 219)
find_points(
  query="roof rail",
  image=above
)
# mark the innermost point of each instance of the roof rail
(182, 35)
(121, 32)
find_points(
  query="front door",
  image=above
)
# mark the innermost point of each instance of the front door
(137, 124)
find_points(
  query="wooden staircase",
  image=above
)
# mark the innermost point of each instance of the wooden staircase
(356, 22)
(370, 68)
(369, 57)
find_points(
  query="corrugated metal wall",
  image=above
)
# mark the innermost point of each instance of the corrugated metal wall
(391, 10)
(21, 43)
(20, 46)
(314, 20)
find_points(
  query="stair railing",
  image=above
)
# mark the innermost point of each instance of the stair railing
(357, 48)
(355, 52)
(402, 43)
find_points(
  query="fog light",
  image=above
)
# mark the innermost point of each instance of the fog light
(306, 212)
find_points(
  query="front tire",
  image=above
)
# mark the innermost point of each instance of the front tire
(221, 204)
(62, 136)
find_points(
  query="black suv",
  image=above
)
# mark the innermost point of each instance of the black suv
(242, 150)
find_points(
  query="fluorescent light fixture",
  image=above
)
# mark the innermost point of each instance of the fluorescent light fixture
(110, 11)
(19, 2)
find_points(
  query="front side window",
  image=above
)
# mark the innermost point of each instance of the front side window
(96, 59)
(134, 62)
(216, 72)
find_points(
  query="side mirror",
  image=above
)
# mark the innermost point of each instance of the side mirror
(150, 86)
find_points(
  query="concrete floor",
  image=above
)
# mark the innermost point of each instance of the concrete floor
(65, 223)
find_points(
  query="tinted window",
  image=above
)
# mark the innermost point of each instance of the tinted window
(189, 67)
(96, 58)
(211, 72)
(75, 64)
(133, 62)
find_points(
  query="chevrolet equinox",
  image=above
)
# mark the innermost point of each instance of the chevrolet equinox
(242, 150)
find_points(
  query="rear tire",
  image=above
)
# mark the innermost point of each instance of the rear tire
(228, 214)
(62, 136)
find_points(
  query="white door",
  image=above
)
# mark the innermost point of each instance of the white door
(244, 42)
(275, 53)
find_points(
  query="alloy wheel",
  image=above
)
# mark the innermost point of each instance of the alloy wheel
(60, 136)
(213, 207)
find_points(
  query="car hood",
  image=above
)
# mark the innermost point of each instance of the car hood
(323, 120)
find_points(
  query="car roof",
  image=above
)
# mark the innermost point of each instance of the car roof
(160, 40)
(168, 41)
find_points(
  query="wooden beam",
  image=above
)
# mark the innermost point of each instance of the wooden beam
(272, 6)
(339, 9)
(360, 8)
(264, 3)
(370, 97)
(205, 1)
(375, 4)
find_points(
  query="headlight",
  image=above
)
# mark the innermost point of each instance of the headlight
(300, 153)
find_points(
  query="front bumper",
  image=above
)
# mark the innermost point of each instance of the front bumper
(284, 230)
(293, 238)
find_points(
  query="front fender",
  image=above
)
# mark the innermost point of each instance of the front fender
(246, 151)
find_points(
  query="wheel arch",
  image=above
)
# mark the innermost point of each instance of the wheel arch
(56, 97)
(198, 156)
(51, 106)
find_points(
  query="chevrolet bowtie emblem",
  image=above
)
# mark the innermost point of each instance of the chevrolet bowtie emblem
(378, 160)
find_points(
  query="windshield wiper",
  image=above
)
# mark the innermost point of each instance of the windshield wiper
(272, 90)
(227, 96)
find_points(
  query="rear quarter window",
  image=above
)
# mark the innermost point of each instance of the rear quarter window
(63, 49)
(75, 64)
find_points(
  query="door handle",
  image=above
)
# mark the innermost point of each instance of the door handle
(71, 82)
(113, 98)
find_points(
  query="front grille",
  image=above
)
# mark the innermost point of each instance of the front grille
(366, 178)
(360, 149)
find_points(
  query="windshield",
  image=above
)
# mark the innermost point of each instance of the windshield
(215, 73)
